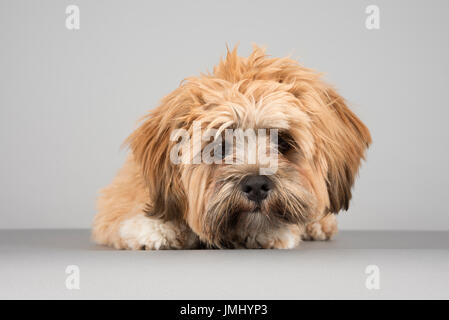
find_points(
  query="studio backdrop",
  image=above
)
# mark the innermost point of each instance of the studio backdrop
(72, 90)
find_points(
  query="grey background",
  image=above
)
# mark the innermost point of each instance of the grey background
(69, 98)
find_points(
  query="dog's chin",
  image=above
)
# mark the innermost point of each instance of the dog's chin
(253, 221)
(243, 227)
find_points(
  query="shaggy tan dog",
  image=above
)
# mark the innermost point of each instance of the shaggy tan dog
(157, 202)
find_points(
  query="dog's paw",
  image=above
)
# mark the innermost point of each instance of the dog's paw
(321, 230)
(283, 238)
(145, 233)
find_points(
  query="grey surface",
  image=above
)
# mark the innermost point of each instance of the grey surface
(412, 265)
(69, 98)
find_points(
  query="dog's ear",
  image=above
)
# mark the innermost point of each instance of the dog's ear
(150, 145)
(343, 145)
(340, 137)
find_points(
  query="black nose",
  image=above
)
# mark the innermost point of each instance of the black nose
(256, 188)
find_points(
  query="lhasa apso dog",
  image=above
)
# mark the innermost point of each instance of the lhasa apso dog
(192, 180)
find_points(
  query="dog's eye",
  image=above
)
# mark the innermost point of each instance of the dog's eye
(285, 143)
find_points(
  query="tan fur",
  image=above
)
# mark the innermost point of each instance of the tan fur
(192, 203)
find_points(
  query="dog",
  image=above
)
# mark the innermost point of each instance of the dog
(158, 202)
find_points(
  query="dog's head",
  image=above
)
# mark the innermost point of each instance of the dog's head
(215, 184)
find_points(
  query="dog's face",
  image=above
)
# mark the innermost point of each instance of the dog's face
(273, 107)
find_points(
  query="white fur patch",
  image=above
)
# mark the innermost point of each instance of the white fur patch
(142, 232)
(315, 232)
(283, 238)
(290, 239)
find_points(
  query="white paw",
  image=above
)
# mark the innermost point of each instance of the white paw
(321, 230)
(283, 238)
(142, 232)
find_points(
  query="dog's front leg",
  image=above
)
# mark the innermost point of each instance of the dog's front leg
(122, 223)
(286, 237)
(146, 233)
(323, 229)
(137, 231)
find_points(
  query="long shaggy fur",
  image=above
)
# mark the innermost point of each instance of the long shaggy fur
(200, 204)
